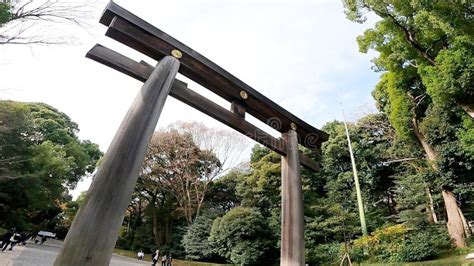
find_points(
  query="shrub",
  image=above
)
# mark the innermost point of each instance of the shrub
(242, 237)
(195, 241)
(398, 243)
(358, 254)
(325, 254)
(419, 246)
(382, 243)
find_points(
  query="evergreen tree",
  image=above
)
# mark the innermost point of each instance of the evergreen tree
(425, 52)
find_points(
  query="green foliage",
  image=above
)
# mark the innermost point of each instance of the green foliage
(426, 50)
(466, 136)
(401, 107)
(261, 187)
(331, 222)
(325, 254)
(196, 239)
(392, 191)
(258, 152)
(446, 131)
(424, 244)
(399, 243)
(452, 78)
(242, 237)
(5, 13)
(15, 123)
(412, 199)
(417, 248)
(223, 192)
(41, 157)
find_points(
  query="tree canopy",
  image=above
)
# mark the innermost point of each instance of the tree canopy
(425, 51)
(41, 158)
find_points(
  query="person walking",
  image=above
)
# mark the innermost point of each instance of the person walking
(169, 260)
(155, 257)
(163, 260)
(6, 239)
(140, 255)
(15, 238)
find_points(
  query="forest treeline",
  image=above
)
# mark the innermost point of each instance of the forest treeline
(184, 203)
(239, 219)
(41, 158)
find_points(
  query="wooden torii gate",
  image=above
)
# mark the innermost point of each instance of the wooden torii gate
(94, 232)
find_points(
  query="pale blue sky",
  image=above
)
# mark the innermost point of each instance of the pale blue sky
(301, 54)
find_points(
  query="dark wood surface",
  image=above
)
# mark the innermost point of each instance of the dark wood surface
(141, 71)
(93, 234)
(292, 217)
(133, 31)
(237, 108)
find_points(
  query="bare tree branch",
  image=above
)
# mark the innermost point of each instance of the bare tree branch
(28, 16)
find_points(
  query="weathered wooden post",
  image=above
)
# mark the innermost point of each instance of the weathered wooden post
(292, 218)
(94, 232)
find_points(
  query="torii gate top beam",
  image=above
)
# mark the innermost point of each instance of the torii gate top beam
(136, 33)
(141, 71)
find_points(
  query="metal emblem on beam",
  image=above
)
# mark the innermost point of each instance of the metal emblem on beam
(177, 53)
(243, 95)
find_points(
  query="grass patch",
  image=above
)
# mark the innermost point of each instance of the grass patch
(194, 263)
(130, 254)
(454, 259)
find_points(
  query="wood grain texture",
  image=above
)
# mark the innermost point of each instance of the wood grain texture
(93, 234)
(237, 108)
(292, 218)
(179, 90)
(131, 30)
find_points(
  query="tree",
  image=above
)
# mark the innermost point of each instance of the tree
(225, 144)
(241, 236)
(374, 144)
(196, 240)
(435, 36)
(69, 209)
(5, 13)
(14, 122)
(20, 19)
(384, 161)
(41, 157)
(223, 191)
(425, 50)
(174, 181)
(182, 168)
(261, 187)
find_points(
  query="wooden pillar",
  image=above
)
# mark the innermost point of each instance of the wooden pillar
(237, 108)
(94, 232)
(292, 218)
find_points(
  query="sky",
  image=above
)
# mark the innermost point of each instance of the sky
(302, 55)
